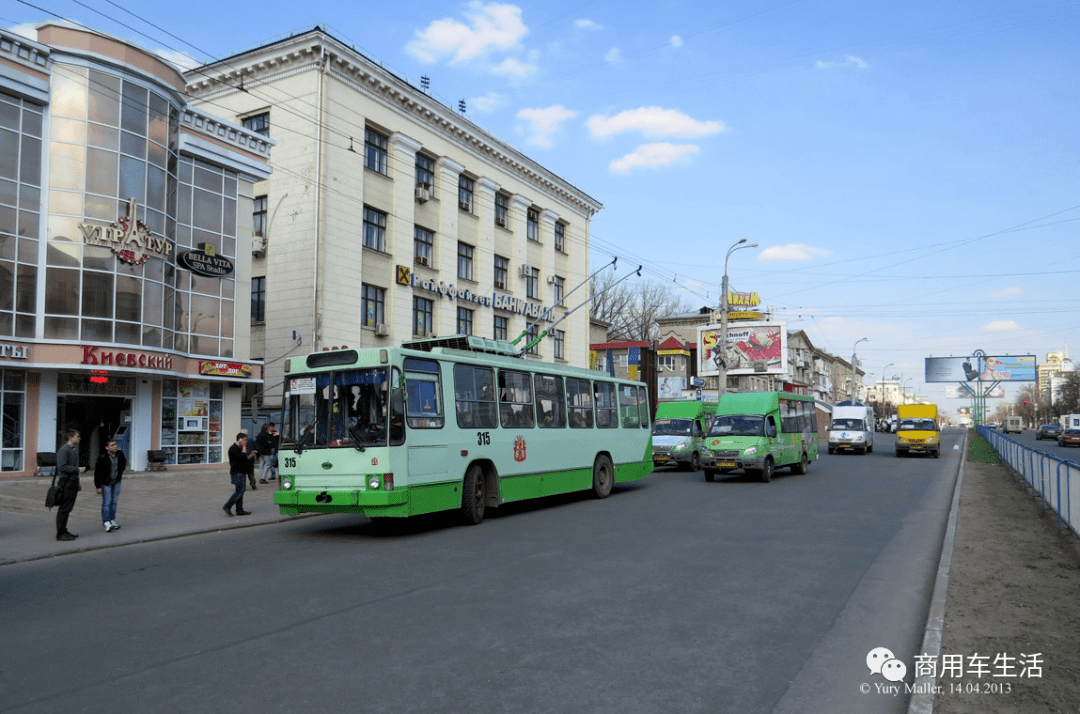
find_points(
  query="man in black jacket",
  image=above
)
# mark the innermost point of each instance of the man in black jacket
(239, 465)
(68, 486)
(107, 474)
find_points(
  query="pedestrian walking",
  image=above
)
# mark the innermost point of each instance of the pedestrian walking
(108, 471)
(239, 468)
(275, 442)
(264, 444)
(252, 453)
(67, 465)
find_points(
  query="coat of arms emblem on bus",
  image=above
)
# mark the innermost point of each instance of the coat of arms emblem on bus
(519, 449)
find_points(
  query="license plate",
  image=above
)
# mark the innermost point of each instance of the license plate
(661, 457)
(725, 464)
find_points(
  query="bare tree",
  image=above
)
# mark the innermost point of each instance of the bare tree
(633, 306)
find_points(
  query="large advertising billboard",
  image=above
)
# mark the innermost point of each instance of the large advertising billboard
(752, 348)
(1001, 368)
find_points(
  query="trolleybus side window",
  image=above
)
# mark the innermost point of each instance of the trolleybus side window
(628, 406)
(474, 389)
(607, 411)
(579, 397)
(515, 399)
(423, 403)
(550, 401)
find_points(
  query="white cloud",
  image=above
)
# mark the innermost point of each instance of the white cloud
(849, 62)
(1007, 292)
(27, 31)
(541, 124)
(487, 103)
(516, 69)
(793, 251)
(653, 156)
(676, 41)
(613, 56)
(1000, 326)
(654, 123)
(492, 27)
(585, 24)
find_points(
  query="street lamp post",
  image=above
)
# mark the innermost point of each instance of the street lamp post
(903, 393)
(853, 390)
(721, 355)
(884, 409)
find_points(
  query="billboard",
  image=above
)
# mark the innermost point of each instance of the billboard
(966, 391)
(1002, 368)
(752, 348)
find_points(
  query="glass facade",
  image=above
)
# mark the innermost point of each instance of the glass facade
(191, 414)
(20, 205)
(114, 140)
(13, 408)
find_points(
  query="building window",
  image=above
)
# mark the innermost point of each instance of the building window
(531, 333)
(423, 316)
(258, 299)
(532, 224)
(465, 193)
(12, 406)
(21, 127)
(425, 171)
(258, 216)
(202, 400)
(560, 237)
(464, 321)
(374, 229)
(559, 344)
(558, 286)
(375, 147)
(372, 300)
(666, 362)
(532, 283)
(464, 261)
(259, 123)
(423, 246)
(501, 328)
(502, 210)
(502, 271)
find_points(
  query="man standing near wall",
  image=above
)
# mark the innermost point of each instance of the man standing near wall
(67, 465)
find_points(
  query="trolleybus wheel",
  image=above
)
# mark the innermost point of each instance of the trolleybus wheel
(603, 476)
(766, 471)
(473, 497)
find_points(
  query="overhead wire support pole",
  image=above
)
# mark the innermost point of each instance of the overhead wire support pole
(583, 282)
(567, 314)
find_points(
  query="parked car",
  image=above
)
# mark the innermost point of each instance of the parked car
(992, 425)
(1047, 431)
(1069, 437)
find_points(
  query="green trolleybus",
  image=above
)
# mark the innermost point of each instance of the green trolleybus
(456, 423)
(760, 432)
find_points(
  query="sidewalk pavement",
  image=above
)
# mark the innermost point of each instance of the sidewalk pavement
(153, 506)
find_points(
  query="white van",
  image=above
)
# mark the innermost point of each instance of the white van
(852, 429)
(1013, 424)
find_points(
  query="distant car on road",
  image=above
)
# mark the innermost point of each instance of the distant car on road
(1069, 437)
(1048, 431)
(992, 425)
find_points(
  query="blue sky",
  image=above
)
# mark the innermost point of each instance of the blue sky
(909, 171)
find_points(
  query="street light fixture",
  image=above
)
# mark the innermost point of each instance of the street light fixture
(881, 394)
(853, 390)
(903, 393)
(720, 358)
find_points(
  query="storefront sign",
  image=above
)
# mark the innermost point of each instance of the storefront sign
(206, 262)
(14, 351)
(498, 300)
(129, 238)
(225, 369)
(744, 315)
(94, 354)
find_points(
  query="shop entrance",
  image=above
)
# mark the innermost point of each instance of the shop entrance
(97, 419)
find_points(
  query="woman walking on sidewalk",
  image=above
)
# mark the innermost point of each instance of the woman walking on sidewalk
(107, 474)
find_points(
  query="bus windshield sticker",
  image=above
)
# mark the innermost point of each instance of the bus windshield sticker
(302, 385)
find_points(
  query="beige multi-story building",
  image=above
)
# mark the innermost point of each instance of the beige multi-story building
(390, 216)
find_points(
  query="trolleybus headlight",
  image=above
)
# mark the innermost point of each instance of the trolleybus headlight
(286, 483)
(750, 451)
(373, 482)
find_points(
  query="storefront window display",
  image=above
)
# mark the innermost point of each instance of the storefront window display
(191, 412)
(13, 408)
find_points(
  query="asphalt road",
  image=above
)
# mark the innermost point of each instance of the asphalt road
(672, 595)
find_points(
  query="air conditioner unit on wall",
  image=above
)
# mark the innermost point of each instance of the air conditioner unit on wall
(423, 193)
(423, 260)
(525, 272)
(258, 246)
(500, 221)
(551, 280)
(500, 284)
(382, 329)
(465, 206)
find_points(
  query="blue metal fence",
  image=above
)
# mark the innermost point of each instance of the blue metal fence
(1056, 481)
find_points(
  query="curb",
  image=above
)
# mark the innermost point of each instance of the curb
(922, 702)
